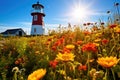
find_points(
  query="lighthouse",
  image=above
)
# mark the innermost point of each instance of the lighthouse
(37, 19)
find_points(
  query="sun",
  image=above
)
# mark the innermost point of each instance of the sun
(80, 12)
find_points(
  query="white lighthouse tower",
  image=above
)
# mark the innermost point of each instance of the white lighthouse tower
(37, 20)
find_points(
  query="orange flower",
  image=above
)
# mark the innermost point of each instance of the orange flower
(89, 47)
(65, 50)
(107, 62)
(47, 43)
(112, 26)
(86, 32)
(37, 75)
(117, 29)
(31, 43)
(79, 42)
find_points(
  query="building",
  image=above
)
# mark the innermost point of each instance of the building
(13, 32)
(37, 19)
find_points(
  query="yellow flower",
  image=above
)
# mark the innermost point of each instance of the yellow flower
(62, 72)
(96, 44)
(70, 46)
(87, 36)
(117, 29)
(37, 75)
(37, 52)
(97, 40)
(65, 57)
(98, 34)
(107, 62)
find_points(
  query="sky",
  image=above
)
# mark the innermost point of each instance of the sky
(17, 13)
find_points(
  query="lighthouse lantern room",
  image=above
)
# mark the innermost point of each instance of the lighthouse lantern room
(37, 19)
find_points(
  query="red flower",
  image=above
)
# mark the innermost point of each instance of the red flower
(112, 26)
(57, 43)
(50, 39)
(62, 40)
(17, 62)
(53, 63)
(6, 67)
(83, 67)
(55, 36)
(66, 50)
(105, 41)
(89, 47)
(47, 43)
(54, 48)
(86, 32)
(79, 42)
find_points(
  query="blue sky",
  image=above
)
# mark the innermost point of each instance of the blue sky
(16, 13)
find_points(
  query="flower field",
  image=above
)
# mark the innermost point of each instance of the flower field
(71, 54)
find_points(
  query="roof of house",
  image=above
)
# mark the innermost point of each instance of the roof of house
(11, 31)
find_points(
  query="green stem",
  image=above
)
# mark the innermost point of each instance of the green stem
(65, 70)
(106, 74)
(3, 76)
(88, 65)
(113, 74)
(112, 49)
(54, 75)
(15, 76)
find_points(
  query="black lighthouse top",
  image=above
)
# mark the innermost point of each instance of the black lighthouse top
(35, 5)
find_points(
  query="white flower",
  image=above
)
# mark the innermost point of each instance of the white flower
(15, 69)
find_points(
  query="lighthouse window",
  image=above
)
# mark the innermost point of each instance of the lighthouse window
(38, 7)
(35, 17)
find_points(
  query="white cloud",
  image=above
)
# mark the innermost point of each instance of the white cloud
(27, 24)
